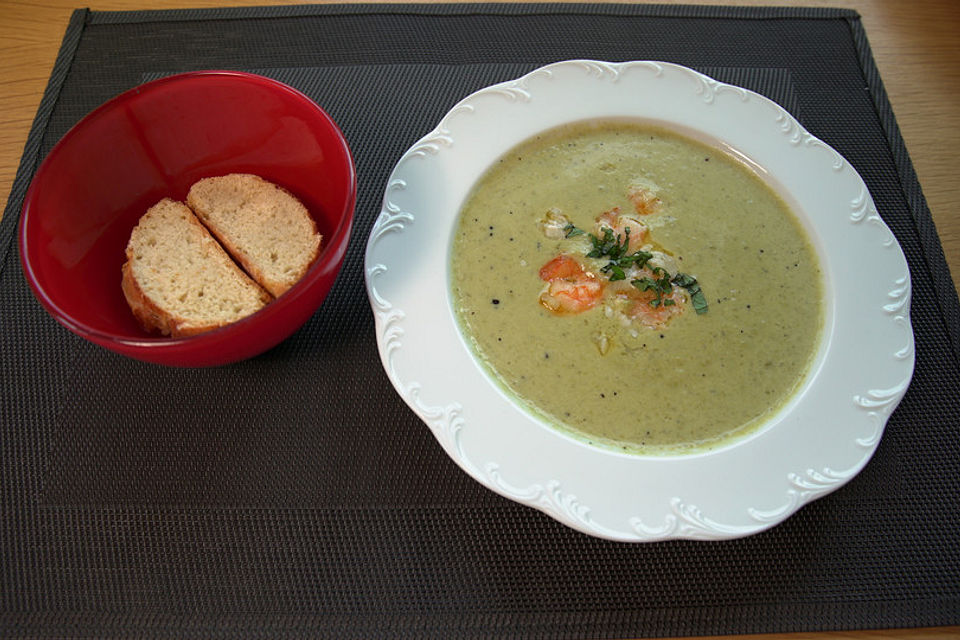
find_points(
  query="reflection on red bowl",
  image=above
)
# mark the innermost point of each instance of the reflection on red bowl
(154, 141)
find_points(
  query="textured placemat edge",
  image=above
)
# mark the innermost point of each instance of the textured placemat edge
(944, 287)
(762, 618)
(30, 158)
(464, 9)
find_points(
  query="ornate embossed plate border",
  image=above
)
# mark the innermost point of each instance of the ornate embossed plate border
(817, 443)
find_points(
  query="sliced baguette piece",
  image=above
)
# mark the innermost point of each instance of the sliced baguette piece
(265, 228)
(178, 280)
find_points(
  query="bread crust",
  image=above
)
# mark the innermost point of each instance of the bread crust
(151, 316)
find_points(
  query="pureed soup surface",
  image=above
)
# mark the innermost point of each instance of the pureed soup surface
(593, 329)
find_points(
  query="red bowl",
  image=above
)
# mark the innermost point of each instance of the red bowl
(155, 141)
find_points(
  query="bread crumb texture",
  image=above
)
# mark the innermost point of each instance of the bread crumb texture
(179, 280)
(265, 228)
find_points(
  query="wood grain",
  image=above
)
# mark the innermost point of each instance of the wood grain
(914, 44)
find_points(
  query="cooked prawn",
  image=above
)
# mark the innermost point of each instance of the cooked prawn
(644, 198)
(646, 307)
(643, 311)
(623, 226)
(570, 288)
(554, 224)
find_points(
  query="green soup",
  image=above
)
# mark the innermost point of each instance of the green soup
(690, 384)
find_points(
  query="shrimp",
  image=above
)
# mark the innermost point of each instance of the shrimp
(570, 288)
(623, 226)
(554, 224)
(644, 198)
(643, 311)
(646, 306)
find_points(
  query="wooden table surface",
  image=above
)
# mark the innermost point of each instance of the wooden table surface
(915, 44)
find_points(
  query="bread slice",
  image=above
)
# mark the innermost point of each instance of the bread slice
(178, 280)
(266, 229)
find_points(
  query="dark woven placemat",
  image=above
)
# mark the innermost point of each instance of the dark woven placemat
(271, 498)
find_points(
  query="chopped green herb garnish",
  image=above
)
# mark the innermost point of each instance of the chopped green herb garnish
(615, 271)
(697, 298)
(615, 247)
(608, 246)
(638, 258)
(659, 284)
(570, 231)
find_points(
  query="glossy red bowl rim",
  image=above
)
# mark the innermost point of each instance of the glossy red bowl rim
(337, 242)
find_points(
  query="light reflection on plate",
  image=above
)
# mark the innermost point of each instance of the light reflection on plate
(814, 445)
